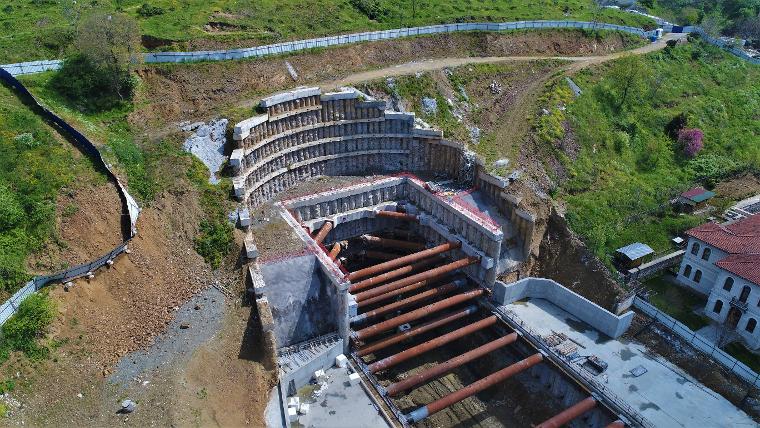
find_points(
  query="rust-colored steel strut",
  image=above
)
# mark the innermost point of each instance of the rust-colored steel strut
(567, 415)
(397, 215)
(392, 323)
(427, 275)
(323, 231)
(431, 344)
(617, 424)
(387, 276)
(422, 328)
(335, 251)
(441, 369)
(411, 300)
(402, 261)
(473, 388)
(393, 243)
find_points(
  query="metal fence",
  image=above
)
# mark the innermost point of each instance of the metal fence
(132, 208)
(699, 342)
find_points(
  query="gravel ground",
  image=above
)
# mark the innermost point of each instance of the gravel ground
(197, 321)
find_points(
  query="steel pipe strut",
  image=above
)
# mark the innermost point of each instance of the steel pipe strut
(473, 388)
(402, 261)
(392, 243)
(569, 414)
(392, 323)
(446, 367)
(427, 294)
(427, 275)
(617, 424)
(390, 294)
(323, 231)
(397, 215)
(335, 251)
(422, 328)
(387, 276)
(431, 344)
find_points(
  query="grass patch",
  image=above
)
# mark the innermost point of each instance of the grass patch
(24, 331)
(741, 353)
(45, 29)
(628, 167)
(677, 301)
(215, 238)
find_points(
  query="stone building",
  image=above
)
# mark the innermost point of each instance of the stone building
(722, 261)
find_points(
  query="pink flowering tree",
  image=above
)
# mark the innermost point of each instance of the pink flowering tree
(691, 141)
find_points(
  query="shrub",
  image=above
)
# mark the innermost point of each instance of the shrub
(214, 241)
(691, 141)
(23, 330)
(372, 8)
(92, 88)
(147, 10)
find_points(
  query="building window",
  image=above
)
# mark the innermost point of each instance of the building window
(695, 248)
(745, 294)
(697, 275)
(728, 284)
(718, 306)
(706, 254)
(751, 324)
(687, 271)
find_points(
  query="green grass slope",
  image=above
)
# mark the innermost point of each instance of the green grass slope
(41, 29)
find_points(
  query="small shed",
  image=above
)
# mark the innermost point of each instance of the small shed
(633, 255)
(694, 199)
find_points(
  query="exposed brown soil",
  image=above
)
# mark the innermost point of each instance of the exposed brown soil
(736, 189)
(175, 93)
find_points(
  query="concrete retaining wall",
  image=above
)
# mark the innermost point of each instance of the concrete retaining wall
(602, 320)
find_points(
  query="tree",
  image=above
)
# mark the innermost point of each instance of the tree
(98, 75)
(691, 141)
(628, 79)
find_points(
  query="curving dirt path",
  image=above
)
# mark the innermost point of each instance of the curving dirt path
(578, 63)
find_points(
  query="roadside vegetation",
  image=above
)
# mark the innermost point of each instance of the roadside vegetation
(630, 161)
(25, 331)
(38, 29)
(736, 17)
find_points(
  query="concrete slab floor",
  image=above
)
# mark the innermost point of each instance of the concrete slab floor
(339, 405)
(664, 394)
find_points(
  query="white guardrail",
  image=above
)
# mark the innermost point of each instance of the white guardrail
(697, 341)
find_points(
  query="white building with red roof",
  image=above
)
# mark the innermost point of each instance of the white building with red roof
(722, 261)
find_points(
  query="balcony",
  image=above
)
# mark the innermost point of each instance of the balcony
(738, 304)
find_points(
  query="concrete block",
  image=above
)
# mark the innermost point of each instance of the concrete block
(244, 218)
(303, 408)
(265, 314)
(294, 402)
(251, 251)
(257, 281)
(292, 414)
(499, 295)
(341, 361)
(236, 158)
(354, 378)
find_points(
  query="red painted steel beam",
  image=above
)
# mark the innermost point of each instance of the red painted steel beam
(387, 276)
(428, 275)
(397, 216)
(392, 323)
(569, 414)
(473, 388)
(446, 367)
(415, 331)
(394, 293)
(323, 231)
(392, 243)
(411, 300)
(335, 251)
(402, 261)
(439, 341)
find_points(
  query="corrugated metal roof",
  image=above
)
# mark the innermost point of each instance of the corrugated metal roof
(698, 194)
(635, 251)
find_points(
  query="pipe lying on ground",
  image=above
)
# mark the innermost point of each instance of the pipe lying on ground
(446, 367)
(422, 328)
(569, 414)
(402, 261)
(392, 243)
(397, 216)
(392, 323)
(427, 275)
(323, 231)
(427, 294)
(335, 251)
(473, 388)
(439, 341)
(387, 276)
